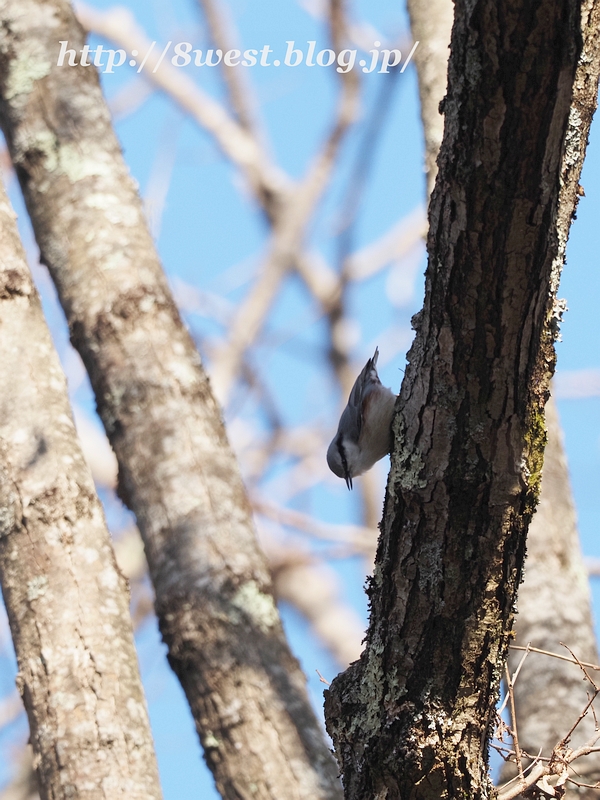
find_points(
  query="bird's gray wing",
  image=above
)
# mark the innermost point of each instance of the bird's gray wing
(353, 413)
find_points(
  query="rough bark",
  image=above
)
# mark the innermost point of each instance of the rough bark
(554, 607)
(411, 718)
(177, 473)
(67, 602)
(554, 599)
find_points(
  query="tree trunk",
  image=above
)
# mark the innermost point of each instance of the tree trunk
(431, 25)
(67, 602)
(554, 607)
(411, 718)
(176, 471)
(554, 600)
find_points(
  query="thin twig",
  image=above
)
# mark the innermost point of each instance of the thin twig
(360, 538)
(322, 679)
(536, 760)
(584, 785)
(515, 736)
(535, 775)
(562, 757)
(289, 231)
(581, 666)
(514, 678)
(553, 655)
(222, 33)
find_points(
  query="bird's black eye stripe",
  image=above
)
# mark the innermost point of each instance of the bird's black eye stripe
(344, 463)
(342, 453)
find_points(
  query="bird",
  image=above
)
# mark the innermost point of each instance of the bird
(364, 434)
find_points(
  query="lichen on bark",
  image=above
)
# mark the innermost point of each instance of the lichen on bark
(411, 718)
(214, 597)
(67, 602)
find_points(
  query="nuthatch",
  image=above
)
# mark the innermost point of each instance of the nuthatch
(363, 435)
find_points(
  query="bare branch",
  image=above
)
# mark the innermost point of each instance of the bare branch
(513, 728)
(574, 384)
(392, 246)
(176, 469)
(322, 679)
(561, 757)
(531, 649)
(360, 539)
(593, 566)
(514, 678)
(222, 32)
(119, 25)
(314, 590)
(582, 666)
(130, 97)
(289, 230)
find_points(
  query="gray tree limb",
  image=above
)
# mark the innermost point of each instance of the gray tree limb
(67, 602)
(177, 473)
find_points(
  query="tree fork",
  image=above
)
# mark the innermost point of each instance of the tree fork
(411, 718)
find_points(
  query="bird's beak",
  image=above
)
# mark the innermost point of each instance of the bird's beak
(349, 482)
